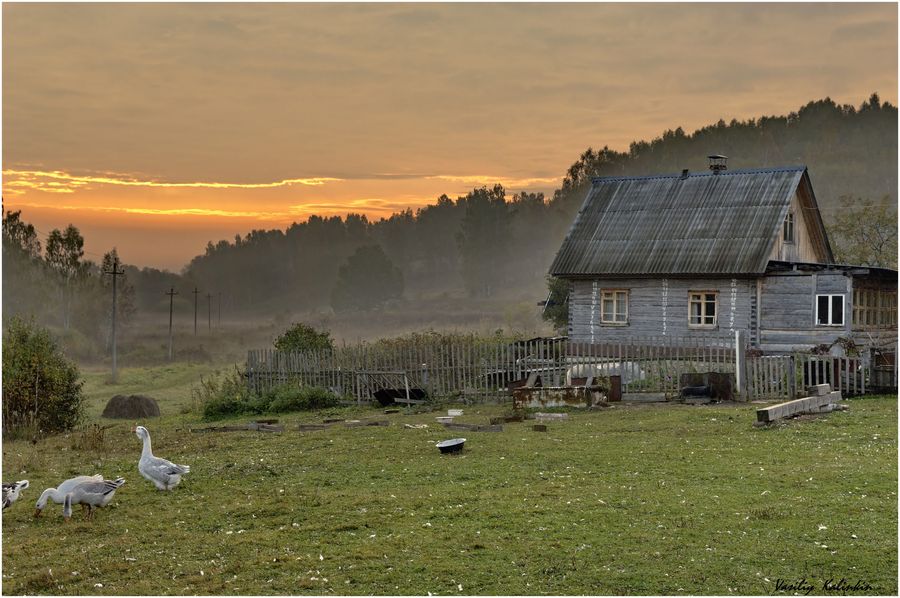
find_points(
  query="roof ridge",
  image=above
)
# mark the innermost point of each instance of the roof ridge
(603, 179)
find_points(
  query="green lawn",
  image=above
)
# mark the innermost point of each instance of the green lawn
(652, 499)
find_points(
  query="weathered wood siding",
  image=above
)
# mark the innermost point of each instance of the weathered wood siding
(803, 248)
(657, 307)
(834, 282)
(781, 315)
(787, 310)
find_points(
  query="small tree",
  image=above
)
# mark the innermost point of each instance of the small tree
(303, 337)
(20, 236)
(556, 310)
(64, 252)
(367, 279)
(865, 233)
(41, 388)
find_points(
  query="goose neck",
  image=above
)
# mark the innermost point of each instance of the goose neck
(49, 493)
(146, 449)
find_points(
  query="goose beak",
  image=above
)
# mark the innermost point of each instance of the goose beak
(37, 512)
(67, 519)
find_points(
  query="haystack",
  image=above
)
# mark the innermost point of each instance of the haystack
(131, 407)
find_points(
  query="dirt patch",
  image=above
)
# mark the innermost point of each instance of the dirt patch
(131, 407)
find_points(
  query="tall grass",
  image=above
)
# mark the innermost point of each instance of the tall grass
(226, 394)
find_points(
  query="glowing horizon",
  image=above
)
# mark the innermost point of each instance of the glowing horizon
(156, 128)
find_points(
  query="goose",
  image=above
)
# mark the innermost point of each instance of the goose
(90, 495)
(165, 475)
(11, 492)
(58, 494)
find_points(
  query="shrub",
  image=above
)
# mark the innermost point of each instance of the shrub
(222, 395)
(286, 398)
(41, 388)
(227, 395)
(303, 337)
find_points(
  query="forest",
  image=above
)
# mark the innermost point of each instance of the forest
(486, 247)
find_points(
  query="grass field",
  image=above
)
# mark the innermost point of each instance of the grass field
(632, 500)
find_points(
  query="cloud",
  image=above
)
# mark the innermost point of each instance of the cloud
(16, 182)
(137, 210)
(57, 181)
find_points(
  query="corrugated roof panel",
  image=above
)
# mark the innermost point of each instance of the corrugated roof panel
(700, 224)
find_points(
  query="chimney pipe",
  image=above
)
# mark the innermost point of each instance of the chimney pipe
(717, 163)
(684, 173)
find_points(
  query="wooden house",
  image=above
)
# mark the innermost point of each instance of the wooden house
(700, 254)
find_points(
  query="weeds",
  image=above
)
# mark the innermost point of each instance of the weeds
(227, 395)
(89, 438)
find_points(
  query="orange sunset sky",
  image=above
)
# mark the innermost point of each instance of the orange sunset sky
(155, 128)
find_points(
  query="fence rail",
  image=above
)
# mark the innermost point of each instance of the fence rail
(476, 369)
(787, 376)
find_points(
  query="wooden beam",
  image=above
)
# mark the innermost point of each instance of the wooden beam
(806, 405)
(474, 427)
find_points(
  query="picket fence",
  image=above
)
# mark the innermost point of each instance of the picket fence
(786, 377)
(474, 369)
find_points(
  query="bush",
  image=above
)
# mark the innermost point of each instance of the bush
(287, 398)
(221, 396)
(228, 395)
(41, 388)
(303, 337)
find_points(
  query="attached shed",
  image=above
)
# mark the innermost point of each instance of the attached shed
(697, 254)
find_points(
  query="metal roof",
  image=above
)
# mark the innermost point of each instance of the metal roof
(703, 223)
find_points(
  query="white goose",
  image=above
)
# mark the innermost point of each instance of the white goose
(11, 492)
(165, 475)
(91, 495)
(58, 494)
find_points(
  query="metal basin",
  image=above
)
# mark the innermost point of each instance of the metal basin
(451, 446)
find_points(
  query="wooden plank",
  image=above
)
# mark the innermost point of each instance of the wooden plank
(796, 406)
(818, 390)
(251, 427)
(474, 427)
(365, 423)
(311, 427)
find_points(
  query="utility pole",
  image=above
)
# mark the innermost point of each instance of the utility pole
(171, 293)
(209, 311)
(219, 324)
(195, 291)
(115, 273)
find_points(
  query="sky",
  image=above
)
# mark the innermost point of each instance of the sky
(155, 128)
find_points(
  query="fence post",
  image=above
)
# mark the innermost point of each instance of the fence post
(740, 359)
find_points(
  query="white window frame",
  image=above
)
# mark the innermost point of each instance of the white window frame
(703, 316)
(614, 296)
(831, 322)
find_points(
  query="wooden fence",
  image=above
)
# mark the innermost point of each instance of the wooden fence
(787, 376)
(476, 369)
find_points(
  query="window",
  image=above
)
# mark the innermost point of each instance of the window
(614, 307)
(830, 310)
(703, 309)
(789, 228)
(874, 308)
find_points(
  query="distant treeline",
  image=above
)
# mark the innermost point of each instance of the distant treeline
(489, 244)
(485, 244)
